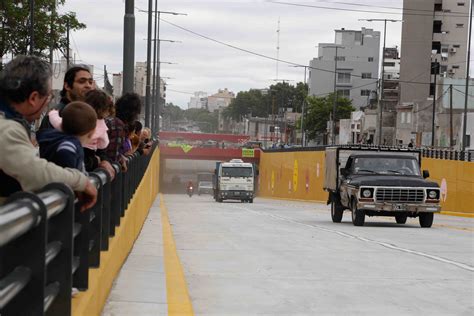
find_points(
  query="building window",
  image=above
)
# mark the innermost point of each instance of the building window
(436, 46)
(343, 77)
(460, 4)
(371, 59)
(403, 117)
(459, 25)
(389, 64)
(456, 46)
(437, 26)
(408, 118)
(434, 68)
(344, 93)
(366, 75)
(455, 66)
(341, 58)
(438, 7)
(365, 93)
(443, 69)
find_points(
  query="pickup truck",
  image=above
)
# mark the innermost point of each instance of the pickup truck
(373, 181)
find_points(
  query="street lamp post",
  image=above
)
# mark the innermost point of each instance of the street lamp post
(436, 68)
(155, 109)
(334, 105)
(129, 46)
(381, 100)
(466, 93)
(303, 135)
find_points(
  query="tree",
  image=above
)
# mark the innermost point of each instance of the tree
(49, 27)
(172, 112)
(320, 110)
(206, 121)
(273, 100)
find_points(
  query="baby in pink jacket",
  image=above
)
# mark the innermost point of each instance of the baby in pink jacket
(100, 140)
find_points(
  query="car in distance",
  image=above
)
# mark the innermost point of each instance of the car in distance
(204, 187)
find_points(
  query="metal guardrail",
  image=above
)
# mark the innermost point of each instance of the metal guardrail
(437, 153)
(47, 245)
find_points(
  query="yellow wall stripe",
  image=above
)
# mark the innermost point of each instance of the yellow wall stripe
(178, 299)
(92, 301)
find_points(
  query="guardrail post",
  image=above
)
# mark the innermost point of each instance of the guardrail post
(60, 237)
(28, 251)
(95, 225)
(115, 205)
(105, 207)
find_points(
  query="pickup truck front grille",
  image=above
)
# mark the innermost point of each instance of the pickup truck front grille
(400, 195)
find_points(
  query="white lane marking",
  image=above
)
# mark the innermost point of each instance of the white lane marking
(381, 243)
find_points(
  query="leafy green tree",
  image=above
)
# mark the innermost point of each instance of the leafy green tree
(206, 121)
(49, 28)
(319, 111)
(275, 99)
(172, 112)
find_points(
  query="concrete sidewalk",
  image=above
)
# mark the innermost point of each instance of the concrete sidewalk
(140, 287)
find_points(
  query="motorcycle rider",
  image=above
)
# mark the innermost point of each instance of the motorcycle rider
(190, 187)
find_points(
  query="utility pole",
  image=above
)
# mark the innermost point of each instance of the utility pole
(128, 46)
(334, 105)
(451, 141)
(466, 93)
(381, 99)
(32, 29)
(148, 64)
(153, 102)
(434, 105)
(67, 44)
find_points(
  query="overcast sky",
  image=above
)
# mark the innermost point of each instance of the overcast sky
(204, 65)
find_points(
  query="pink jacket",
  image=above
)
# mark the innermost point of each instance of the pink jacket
(100, 139)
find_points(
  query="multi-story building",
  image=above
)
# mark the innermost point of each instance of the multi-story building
(198, 101)
(140, 78)
(220, 99)
(357, 66)
(432, 31)
(391, 68)
(117, 83)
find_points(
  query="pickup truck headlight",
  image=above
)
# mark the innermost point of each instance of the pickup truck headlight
(432, 194)
(367, 193)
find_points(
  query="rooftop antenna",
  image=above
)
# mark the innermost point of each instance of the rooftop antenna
(278, 47)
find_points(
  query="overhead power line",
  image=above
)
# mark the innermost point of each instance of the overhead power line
(275, 59)
(450, 14)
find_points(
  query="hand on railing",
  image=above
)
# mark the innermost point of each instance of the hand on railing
(107, 166)
(88, 197)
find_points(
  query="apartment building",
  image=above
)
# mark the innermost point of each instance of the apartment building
(434, 37)
(356, 53)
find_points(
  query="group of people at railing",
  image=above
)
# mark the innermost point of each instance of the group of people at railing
(84, 131)
(85, 143)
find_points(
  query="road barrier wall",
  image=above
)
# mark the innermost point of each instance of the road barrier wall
(299, 175)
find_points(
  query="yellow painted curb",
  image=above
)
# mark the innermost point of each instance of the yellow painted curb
(92, 301)
(459, 214)
(179, 302)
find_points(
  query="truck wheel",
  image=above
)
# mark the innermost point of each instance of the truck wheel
(426, 219)
(358, 216)
(251, 201)
(401, 219)
(336, 213)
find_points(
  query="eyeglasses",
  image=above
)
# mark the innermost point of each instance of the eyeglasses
(84, 80)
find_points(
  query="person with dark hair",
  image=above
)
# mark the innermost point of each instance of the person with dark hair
(64, 147)
(25, 90)
(127, 109)
(77, 82)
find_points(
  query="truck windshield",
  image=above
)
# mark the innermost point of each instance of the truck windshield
(395, 165)
(237, 172)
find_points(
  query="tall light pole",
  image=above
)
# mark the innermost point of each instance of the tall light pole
(129, 46)
(157, 98)
(334, 105)
(157, 65)
(148, 64)
(466, 93)
(436, 69)
(381, 99)
(303, 138)
(152, 86)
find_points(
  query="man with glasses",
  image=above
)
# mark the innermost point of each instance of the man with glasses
(25, 90)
